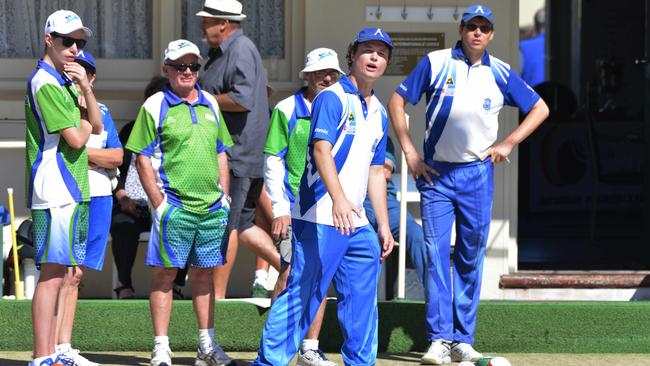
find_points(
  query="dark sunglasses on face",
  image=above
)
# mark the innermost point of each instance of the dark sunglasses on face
(485, 29)
(183, 67)
(331, 73)
(69, 41)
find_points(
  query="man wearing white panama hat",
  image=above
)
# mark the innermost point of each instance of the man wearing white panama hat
(237, 78)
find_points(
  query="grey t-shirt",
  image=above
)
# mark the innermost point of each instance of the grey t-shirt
(236, 69)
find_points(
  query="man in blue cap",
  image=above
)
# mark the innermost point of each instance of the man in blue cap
(465, 89)
(333, 240)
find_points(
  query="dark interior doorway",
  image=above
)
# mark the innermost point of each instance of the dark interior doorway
(582, 178)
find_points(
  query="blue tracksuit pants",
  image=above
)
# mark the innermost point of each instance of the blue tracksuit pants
(321, 254)
(463, 193)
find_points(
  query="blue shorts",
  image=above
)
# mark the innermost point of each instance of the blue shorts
(179, 238)
(99, 219)
(60, 234)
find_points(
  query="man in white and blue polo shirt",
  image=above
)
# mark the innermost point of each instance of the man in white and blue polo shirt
(465, 89)
(332, 237)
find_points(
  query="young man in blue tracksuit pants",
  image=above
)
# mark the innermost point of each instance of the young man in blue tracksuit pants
(333, 240)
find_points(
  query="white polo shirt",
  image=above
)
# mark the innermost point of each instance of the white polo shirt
(357, 132)
(463, 102)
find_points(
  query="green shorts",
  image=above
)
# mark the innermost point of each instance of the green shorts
(60, 234)
(179, 238)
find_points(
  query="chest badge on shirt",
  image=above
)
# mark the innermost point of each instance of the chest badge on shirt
(350, 127)
(449, 87)
(487, 104)
(210, 117)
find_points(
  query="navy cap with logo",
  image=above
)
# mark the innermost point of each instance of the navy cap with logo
(478, 10)
(373, 34)
(86, 59)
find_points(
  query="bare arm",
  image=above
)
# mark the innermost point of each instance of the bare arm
(90, 112)
(534, 118)
(77, 137)
(226, 104)
(377, 195)
(342, 208)
(224, 172)
(105, 158)
(413, 159)
(148, 180)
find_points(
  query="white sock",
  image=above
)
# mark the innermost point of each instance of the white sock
(206, 340)
(261, 276)
(308, 344)
(161, 341)
(63, 347)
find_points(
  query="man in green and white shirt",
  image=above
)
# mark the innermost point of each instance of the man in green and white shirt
(181, 141)
(56, 173)
(285, 152)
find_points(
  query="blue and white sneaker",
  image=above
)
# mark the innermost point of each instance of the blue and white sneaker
(59, 361)
(74, 358)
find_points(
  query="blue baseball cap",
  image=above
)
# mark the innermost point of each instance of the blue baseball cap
(87, 58)
(478, 10)
(373, 34)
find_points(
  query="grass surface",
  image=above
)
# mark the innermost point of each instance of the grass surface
(383, 359)
(503, 327)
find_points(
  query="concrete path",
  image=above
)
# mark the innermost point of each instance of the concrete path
(385, 359)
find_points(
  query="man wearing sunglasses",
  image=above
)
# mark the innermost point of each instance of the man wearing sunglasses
(285, 153)
(181, 141)
(465, 89)
(58, 194)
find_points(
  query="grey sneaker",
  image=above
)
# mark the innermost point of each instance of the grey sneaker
(464, 352)
(161, 356)
(259, 291)
(76, 358)
(437, 354)
(216, 357)
(313, 357)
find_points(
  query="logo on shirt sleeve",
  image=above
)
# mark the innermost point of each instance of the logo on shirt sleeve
(321, 130)
(374, 146)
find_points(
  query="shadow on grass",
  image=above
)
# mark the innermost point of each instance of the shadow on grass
(125, 360)
(400, 357)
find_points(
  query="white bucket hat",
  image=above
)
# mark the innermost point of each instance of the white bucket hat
(64, 22)
(179, 48)
(321, 59)
(223, 9)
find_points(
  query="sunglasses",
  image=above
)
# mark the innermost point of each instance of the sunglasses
(183, 67)
(485, 29)
(69, 41)
(322, 73)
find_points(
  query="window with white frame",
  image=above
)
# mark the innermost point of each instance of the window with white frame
(122, 28)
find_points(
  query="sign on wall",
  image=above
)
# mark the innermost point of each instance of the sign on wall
(410, 48)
